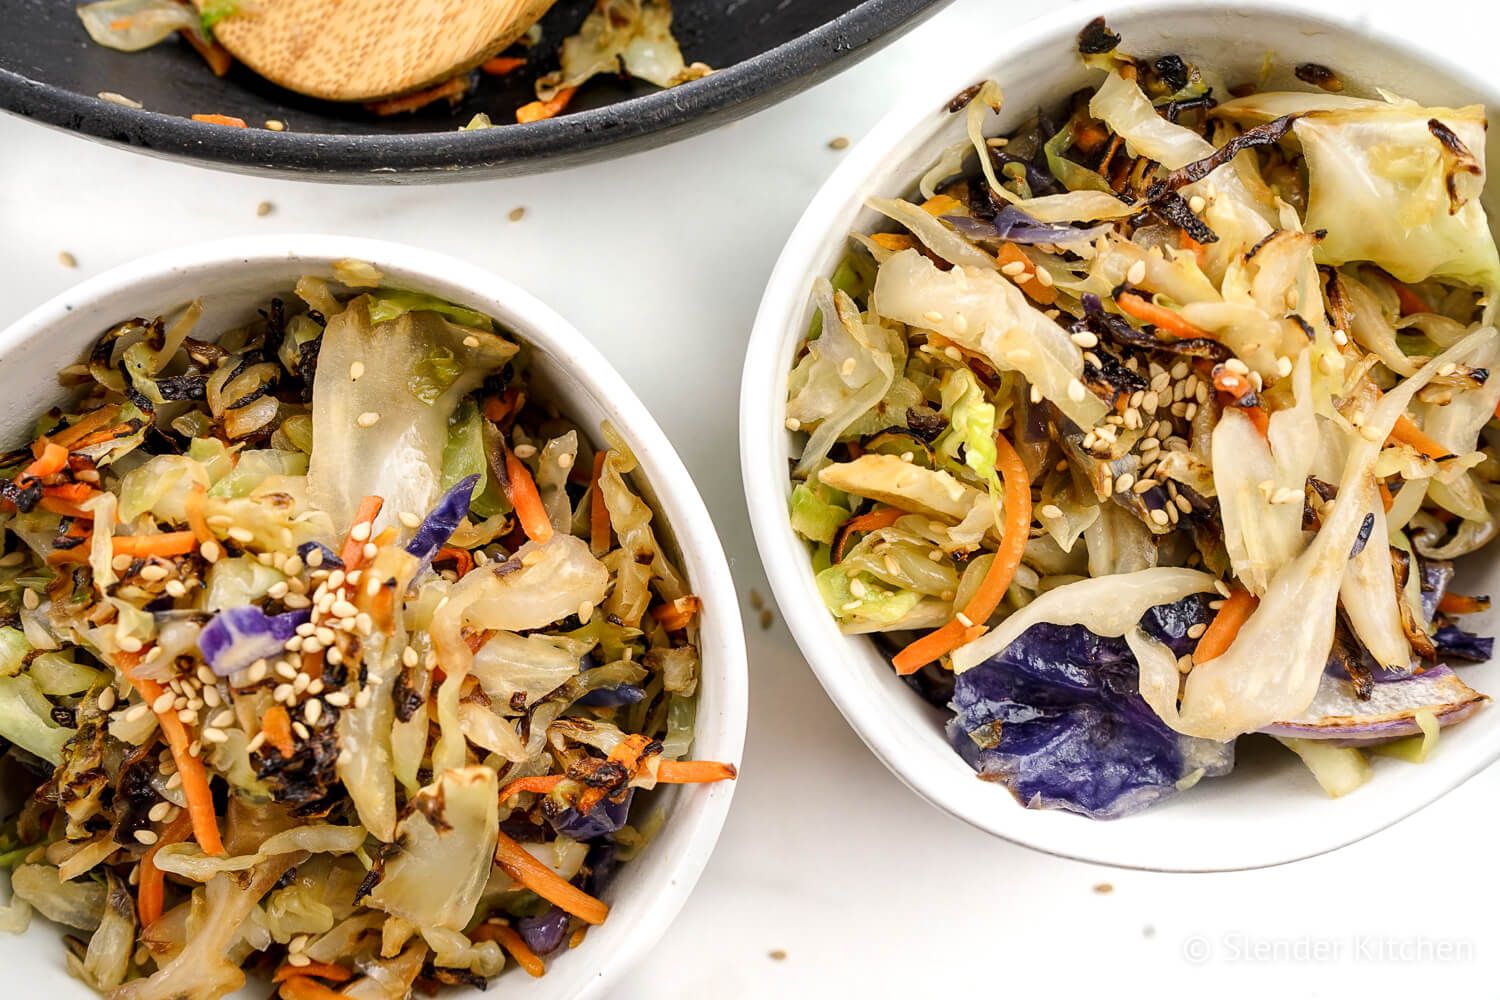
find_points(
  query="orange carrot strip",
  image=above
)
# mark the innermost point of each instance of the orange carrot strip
(229, 120)
(1089, 136)
(277, 725)
(627, 753)
(1408, 433)
(195, 788)
(942, 204)
(451, 89)
(1462, 604)
(893, 241)
(104, 437)
(694, 772)
(462, 560)
(303, 988)
(217, 56)
(524, 497)
(513, 943)
(1160, 317)
(322, 970)
(531, 873)
(880, 517)
(353, 551)
(86, 425)
(1410, 302)
(171, 543)
(1236, 387)
(498, 409)
(74, 493)
(541, 785)
(193, 506)
(152, 893)
(1026, 280)
(598, 511)
(538, 110)
(1186, 242)
(51, 459)
(66, 508)
(675, 616)
(968, 624)
(502, 65)
(1233, 613)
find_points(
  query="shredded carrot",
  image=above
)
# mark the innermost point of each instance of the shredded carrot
(499, 409)
(1186, 242)
(229, 120)
(627, 753)
(1462, 604)
(217, 56)
(67, 508)
(675, 616)
(86, 425)
(151, 895)
(1411, 303)
(576, 938)
(880, 517)
(167, 544)
(502, 65)
(893, 241)
(1387, 499)
(1233, 613)
(451, 89)
(969, 623)
(105, 436)
(1236, 387)
(538, 110)
(303, 988)
(200, 799)
(1408, 433)
(531, 873)
(694, 772)
(51, 459)
(74, 493)
(598, 511)
(942, 204)
(277, 725)
(1089, 136)
(352, 554)
(511, 940)
(540, 785)
(521, 489)
(322, 970)
(461, 559)
(1039, 293)
(1158, 316)
(193, 507)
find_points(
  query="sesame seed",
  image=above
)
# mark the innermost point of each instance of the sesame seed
(159, 812)
(312, 712)
(1036, 394)
(343, 609)
(369, 418)
(1340, 337)
(1144, 486)
(187, 716)
(338, 699)
(1076, 391)
(315, 558)
(1161, 517)
(210, 551)
(1196, 203)
(334, 655)
(224, 718)
(1237, 366)
(363, 698)
(278, 590)
(163, 702)
(964, 620)
(283, 692)
(1012, 269)
(1197, 630)
(285, 669)
(243, 535)
(793, 424)
(1183, 503)
(360, 533)
(1185, 663)
(106, 699)
(300, 684)
(364, 623)
(1051, 511)
(135, 712)
(1369, 433)
(153, 572)
(471, 341)
(292, 566)
(325, 635)
(409, 519)
(30, 600)
(1137, 273)
(1123, 483)
(1085, 339)
(300, 730)
(212, 735)
(146, 837)
(1044, 277)
(370, 550)
(256, 742)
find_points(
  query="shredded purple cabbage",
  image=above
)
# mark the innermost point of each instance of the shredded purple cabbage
(614, 697)
(237, 637)
(442, 521)
(606, 817)
(1057, 718)
(331, 558)
(1454, 643)
(1015, 226)
(544, 934)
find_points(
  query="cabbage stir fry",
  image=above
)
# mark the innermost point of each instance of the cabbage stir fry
(1161, 421)
(328, 650)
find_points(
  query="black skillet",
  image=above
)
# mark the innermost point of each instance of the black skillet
(763, 50)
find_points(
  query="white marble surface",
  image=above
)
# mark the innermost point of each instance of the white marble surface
(826, 857)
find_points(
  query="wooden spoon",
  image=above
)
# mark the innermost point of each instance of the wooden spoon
(364, 50)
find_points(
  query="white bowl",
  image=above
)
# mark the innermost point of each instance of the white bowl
(234, 277)
(1269, 810)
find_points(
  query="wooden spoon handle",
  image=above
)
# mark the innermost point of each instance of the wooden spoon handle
(363, 50)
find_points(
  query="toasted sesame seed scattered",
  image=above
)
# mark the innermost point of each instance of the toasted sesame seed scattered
(312, 712)
(210, 551)
(1051, 511)
(314, 558)
(793, 424)
(1137, 273)
(1197, 630)
(1076, 391)
(163, 702)
(147, 837)
(471, 341)
(368, 419)
(275, 125)
(1014, 268)
(338, 699)
(1196, 203)
(964, 620)
(517, 214)
(158, 812)
(356, 370)
(264, 209)
(29, 599)
(409, 519)
(370, 550)
(838, 142)
(110, 97)
(1161, 517)
(213, 735)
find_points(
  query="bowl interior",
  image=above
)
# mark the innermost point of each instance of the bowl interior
(237, 277)
(1206, 828)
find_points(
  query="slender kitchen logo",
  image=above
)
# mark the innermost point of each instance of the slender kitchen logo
(1358, 949)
